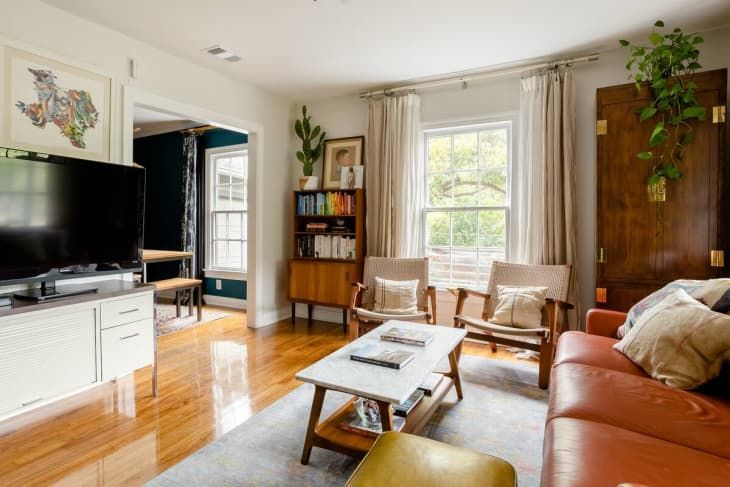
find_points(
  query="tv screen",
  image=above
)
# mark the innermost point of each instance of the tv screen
(58, 212)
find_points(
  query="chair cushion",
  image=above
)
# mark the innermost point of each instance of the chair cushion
(392, 462)
(641, 405)
(712, 293)
(680, 341)
(579, 452)
(372, 315)
(395, 297)
(520, 307)
(580, 348)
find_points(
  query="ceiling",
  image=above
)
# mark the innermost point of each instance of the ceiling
(151, 122)
(306, 49)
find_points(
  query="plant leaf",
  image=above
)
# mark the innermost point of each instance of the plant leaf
(623, 42)
(696, 111)
(304, 111)
(315, 132)
(645, 155)
(298, 129)
(656, 38)
(300, 156)
(659, 23)
(672, 172)
(647, 112)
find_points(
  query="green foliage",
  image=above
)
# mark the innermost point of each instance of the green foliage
(311, 147)
(667, 66)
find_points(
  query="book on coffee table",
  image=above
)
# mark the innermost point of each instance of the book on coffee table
(405, 408)
(373, 354)
(354, 423)
(407, 336)
(431, 383)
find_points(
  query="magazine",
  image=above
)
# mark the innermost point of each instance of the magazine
(431, 383)
(407, 406)
(355, 424)
(407, 336)
(373, 354)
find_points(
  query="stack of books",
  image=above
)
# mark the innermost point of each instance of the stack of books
(326, 247)
(419, 338)
(326, 203)
(373, 354)
(431, 383)
(316, 227)
(355, 424)
(407, 406)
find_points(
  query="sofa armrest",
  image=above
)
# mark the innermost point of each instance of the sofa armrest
(604, 322)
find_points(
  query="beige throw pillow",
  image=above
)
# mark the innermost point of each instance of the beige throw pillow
(680, 341)
(395, 297)
(520, 307)
(712, 291)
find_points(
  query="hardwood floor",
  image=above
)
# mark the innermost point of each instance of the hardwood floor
(211, 379)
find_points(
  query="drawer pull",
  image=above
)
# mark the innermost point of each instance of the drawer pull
(129, 336)
(133, 310)
(32, 402)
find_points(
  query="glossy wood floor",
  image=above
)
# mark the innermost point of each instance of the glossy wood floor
(212, 378)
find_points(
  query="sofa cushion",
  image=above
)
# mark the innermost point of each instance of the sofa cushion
(642, 405)
(680, 341)
(580, 348)
(578, 452)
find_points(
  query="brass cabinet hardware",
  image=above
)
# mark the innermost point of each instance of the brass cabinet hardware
(717, 258)
(601, 127)
(718, 114)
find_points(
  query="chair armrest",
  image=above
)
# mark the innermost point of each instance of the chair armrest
(462, 291)
(604, 322)
(561, 304)
(356, 295)
(431, 293)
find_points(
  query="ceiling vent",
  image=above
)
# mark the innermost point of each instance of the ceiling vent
(222, 53)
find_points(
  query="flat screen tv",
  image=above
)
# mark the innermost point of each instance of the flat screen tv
(62, 217)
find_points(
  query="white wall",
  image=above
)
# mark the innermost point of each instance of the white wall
(36, 25)
(345, 116)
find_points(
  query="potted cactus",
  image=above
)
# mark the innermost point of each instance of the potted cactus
(311, 149)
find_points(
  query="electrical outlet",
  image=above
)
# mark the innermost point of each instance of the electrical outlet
(218, 285)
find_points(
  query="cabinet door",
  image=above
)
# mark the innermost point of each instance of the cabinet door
(126, 348)
(46, 354)
(325, 283)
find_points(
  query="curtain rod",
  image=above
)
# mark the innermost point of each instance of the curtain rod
(491, 73)
(199, 130)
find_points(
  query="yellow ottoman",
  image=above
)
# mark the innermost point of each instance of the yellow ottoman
(399, 459)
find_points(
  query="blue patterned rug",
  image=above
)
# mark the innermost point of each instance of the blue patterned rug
(502, 413)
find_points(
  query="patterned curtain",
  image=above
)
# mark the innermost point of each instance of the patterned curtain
(190, 215)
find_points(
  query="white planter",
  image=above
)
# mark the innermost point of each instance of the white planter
(308, 182)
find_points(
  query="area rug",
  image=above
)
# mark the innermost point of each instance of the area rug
(502, 413)
(166, 321)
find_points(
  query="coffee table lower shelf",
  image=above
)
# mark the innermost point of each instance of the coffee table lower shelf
(329, 435)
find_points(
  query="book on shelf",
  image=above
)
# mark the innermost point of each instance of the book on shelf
(376, 355)
(326, 203)
(316, 227)
(326, 247)
(396, 334)
(354, 424)
(405, 408)
(431, 383)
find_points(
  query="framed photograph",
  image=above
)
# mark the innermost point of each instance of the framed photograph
(56, 108)
(339, 154)
(351, 177)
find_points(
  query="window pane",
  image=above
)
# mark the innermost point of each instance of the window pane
(238, 197)
(234, 255)
(223, 170)
(465, 151)
(466, 188)
(222, 198)
(439, 190)
(220, 224)
(220, 252)
(438, 230)
(439, 154)
(238, 166)
(464, 270)
(235, 229)
(464, 228)
(244, 228)
(493, 229)
(493, 148)
(493, 187)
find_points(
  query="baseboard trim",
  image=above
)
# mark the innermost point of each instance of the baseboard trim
(268, 318)
(224, 301)
(320, 313)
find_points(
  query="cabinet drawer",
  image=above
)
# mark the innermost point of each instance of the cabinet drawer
(126, 310)
(126, 348)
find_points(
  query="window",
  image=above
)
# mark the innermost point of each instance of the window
(467, 211)
(226, 218)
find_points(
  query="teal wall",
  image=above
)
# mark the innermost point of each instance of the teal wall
(229, 288)
(162, 157)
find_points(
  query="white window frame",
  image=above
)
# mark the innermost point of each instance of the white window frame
(452, 127)
(210, 270)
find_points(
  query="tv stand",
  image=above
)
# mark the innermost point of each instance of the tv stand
(49, 291)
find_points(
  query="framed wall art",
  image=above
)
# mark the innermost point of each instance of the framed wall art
(339, 153)
(56, 108)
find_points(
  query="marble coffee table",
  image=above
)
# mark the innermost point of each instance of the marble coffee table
(381, 384)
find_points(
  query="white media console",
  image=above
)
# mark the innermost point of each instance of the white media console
(51, 350)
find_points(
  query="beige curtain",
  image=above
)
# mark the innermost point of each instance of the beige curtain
(546, 174)
(394, 176)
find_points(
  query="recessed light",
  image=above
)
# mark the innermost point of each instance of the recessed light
(222, 53)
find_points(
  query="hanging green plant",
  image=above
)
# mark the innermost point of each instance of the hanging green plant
(667, 66)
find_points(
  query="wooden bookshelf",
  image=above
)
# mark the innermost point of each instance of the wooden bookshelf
(318, 275)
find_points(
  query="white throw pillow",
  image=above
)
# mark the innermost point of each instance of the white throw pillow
(680, 341)
(520, 307)
(395, 297)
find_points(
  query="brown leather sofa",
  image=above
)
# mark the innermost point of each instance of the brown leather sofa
(609, 423)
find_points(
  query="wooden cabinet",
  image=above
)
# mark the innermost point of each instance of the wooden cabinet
(642, 245)
(321, 276)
